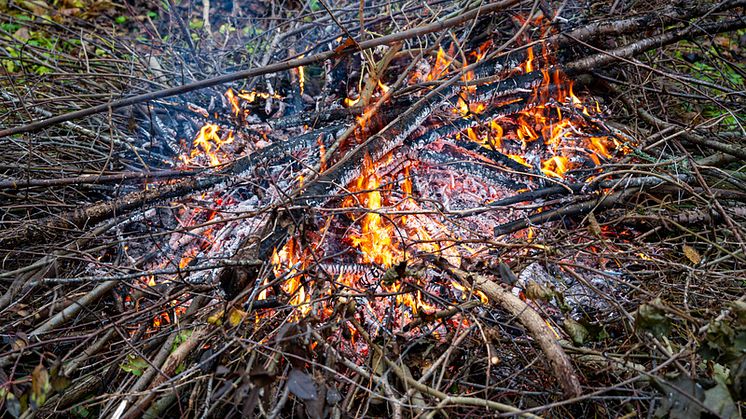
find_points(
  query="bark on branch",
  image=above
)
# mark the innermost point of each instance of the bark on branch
(562, 368)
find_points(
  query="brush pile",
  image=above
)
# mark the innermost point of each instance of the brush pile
(382, 210)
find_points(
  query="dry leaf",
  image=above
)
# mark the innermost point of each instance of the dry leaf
(593, 225)
(22, 34)
(235, 316)
(216, 318)
(535, 291)
(302, 385)
(348, 43)
(39, 386)
(692, 254)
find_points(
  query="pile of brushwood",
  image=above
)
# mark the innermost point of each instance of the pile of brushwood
(621, 294)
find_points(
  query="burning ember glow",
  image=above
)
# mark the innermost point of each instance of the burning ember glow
(405, 204)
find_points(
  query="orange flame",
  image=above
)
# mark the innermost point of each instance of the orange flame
(556, 166)
(233, 101)
(301, 78)
(375, 240)
(442, 62)
(285, 262)
(208, 142)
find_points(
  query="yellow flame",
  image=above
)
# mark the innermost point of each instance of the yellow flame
(233, 101)
(465, 291)
(375, 240)
(598, 144)
(496, 134)
(440, 66)
(253, 95)
(208, 142)
(351, 102)
(284, 263)
(520, 159)
(301, 78)
(556, 166)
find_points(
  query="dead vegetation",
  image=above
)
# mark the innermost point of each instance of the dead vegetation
(383, 209)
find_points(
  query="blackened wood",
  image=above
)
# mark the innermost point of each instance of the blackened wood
(269, 69)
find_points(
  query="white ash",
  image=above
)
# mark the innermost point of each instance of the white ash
(578, 296)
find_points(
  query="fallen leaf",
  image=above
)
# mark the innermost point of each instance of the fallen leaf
(301, 385)
(682, 398)
(40, 386)
(593, 225)
(692, 254)
(348, 43)
(216, 318)
(235, 316)
(535, 291)
(69, 12)
(577, 332)
(134, 364)
(37, 7)
(22, 34)
(651, 318)
(332, 396)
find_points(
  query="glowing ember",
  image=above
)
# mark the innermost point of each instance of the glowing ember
(397, 209)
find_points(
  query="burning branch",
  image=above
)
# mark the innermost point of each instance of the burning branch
(326, 239)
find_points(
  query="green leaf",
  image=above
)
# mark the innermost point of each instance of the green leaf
(120, 20)
(10, 27)
(538, 292)
(180, 338)
(80, 412)
(651, 318)
(151, 14)
(180, 368)
(577, 332)
(718, 398)
(41, 70)
(226, 28)
(134, 365)
(196, 24)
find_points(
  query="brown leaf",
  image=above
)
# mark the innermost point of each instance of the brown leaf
(593, 225)
(535, 291)
(22, 34)
(261, 377)
(692, 254)
(348, 44)
(37, 7)
(74, 11)
(39, 386)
